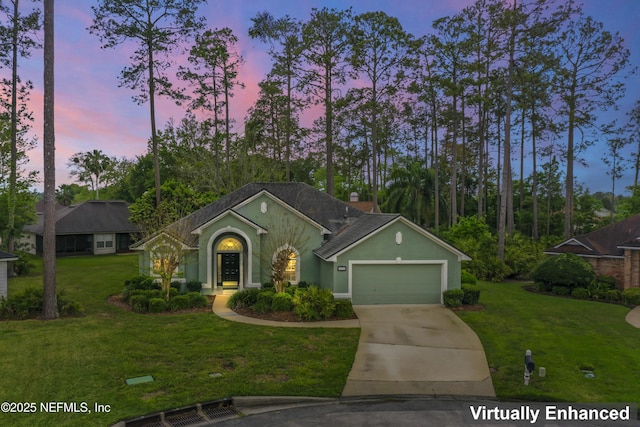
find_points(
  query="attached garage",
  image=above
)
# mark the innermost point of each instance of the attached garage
(390, 282)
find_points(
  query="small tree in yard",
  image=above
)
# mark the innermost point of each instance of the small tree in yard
(284, 238)
(164, 228)
(167, 252)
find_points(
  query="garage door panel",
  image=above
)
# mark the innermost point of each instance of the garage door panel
(396, 283)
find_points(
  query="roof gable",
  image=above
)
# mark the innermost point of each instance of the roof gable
(320, 208)
(606, 241)
(259, 229)
(369, 225)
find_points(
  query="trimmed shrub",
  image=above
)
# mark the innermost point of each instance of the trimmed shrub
(466, 277)
(543, 287)
(67, 307)
(314, 303)
(609, 280)
(28, 304)
(196, 300)
(263, 302)
(631, 296)
(303, 284)
(471, 294)
(344, 309)
(613, 295)
(179, 302)
(141, 282)
(157, 305)
(568, 270)
(561, 290)
(244, 298)
(282, 302)
(194, 286)
(601, 286)
(580, 293)
(268, 285)
(453, 297)
(139, 303)
(177, 286)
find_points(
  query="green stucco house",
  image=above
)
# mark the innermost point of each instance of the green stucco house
(365, 257)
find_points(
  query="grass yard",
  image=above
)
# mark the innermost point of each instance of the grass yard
(564, 336)
(87, 359)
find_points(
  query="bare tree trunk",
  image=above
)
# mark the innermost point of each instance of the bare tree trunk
(13, 175)
(50, 305)
(534, 186)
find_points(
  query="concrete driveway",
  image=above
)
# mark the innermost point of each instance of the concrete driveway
(417, 350)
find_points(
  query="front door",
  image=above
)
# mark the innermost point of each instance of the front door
(230, 269)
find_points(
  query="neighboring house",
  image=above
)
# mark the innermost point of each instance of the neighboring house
(368, 258)
(4, 259)
(91, 227)
(613, 250)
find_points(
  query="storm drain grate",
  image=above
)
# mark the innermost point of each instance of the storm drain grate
(221, 411)
(184, 419)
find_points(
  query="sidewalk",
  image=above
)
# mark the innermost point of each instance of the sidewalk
(220, 309)
(633, 317)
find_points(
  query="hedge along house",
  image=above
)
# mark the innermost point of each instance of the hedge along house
(368, 258)
(613, 250)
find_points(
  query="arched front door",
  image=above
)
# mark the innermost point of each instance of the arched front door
(229, 259)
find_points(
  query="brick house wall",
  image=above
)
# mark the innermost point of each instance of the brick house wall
(631, 268)
(614, 267)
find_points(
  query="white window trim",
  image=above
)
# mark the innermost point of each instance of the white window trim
(297, 254)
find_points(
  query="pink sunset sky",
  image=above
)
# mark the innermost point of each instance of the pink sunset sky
(92, 112)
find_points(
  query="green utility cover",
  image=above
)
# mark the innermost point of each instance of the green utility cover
(139, 380)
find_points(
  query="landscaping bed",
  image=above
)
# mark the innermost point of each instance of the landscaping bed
(192, 356)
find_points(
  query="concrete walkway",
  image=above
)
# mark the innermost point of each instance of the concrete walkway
(220, 308)
(633, 317)
(417, 350)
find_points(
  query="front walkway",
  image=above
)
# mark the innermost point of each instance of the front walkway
(633, 317)
(220, 308)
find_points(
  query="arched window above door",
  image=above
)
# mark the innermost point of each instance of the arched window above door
(229, 244)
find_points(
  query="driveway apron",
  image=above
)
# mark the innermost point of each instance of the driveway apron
(417, 350)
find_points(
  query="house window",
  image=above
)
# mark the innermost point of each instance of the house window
(229, 244)
(290, 273)
(292, 269)
(104, 241)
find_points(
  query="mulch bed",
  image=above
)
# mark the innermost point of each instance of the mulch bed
(115, 301)
(280, 316)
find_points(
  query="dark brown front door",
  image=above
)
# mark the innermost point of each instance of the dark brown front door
(230, 268)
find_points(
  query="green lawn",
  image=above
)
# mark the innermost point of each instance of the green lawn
(564, 335)
(88, 359)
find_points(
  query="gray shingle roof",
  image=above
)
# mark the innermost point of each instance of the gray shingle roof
(331, 213)
(7, 256)
(360, 228)
(92, 216)
(605, 241)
